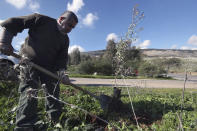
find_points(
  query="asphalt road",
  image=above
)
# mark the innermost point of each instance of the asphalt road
(144, 83)
(181, 76)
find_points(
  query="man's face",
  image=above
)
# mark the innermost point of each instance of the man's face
(67, 24)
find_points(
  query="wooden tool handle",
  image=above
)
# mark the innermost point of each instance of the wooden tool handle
(49, 73)
(85, 91)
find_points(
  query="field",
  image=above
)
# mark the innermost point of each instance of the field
(155, 109)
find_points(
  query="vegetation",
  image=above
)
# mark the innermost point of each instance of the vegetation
(118, 77)
(151, 70)
(155, 109)
(110, 50)
(75, 58)
(106, 65)
(139, 108)
(119, 58)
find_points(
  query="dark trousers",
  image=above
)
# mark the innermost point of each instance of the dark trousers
(31, 79)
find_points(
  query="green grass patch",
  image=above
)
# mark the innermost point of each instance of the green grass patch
(155, 109)
(118, 77)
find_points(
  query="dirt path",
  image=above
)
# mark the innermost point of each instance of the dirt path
(145, 83)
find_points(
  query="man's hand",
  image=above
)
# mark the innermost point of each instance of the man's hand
(65, 79)
(6, 49)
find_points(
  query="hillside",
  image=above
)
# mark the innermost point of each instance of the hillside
(149, 53)
(169, 53)
(157, 53)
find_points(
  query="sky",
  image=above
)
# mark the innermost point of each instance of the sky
(167, 24)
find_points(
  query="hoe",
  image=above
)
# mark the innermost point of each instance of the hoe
(107, 103)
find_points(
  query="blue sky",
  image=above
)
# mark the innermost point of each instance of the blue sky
(168, 24)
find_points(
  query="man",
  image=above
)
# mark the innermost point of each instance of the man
(46, 45)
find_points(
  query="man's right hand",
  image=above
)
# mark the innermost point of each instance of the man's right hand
(6, 49)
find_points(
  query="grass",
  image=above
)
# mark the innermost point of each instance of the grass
(156, 109)
(119, 77)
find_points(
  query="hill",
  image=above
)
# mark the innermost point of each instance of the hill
(169, 53)
(157, 53)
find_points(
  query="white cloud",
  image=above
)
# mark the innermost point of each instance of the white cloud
(19, 4)
(174, 47)
(89, 19)
(193, 48)
(1, 21)
(112, 36)
(185, 48)
(18, 44)
(71, 48)
(34, 6)
(188, 48)
(75, 6)
(192, 40)
(145, 44)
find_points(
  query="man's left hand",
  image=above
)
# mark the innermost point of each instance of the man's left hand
(65, 79)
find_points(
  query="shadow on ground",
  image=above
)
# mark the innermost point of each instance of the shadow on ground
(147, 112)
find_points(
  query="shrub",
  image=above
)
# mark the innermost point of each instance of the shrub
(100, 66)
(103, 67)
(86, 67)
(150, 70)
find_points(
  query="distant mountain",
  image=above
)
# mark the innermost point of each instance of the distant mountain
(169, 53)
(157, 53)
(94, 53)
(150, 53)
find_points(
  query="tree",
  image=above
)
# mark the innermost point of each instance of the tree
(86, 67)
(75, 57)
(134, 54)
(149, 69)
(110, 50)
(103, 67)
(172, 62)
(108, 58)
(125, 43)
(69, 60)
(85, 57)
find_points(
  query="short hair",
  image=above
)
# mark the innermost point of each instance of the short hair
(69, 14)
